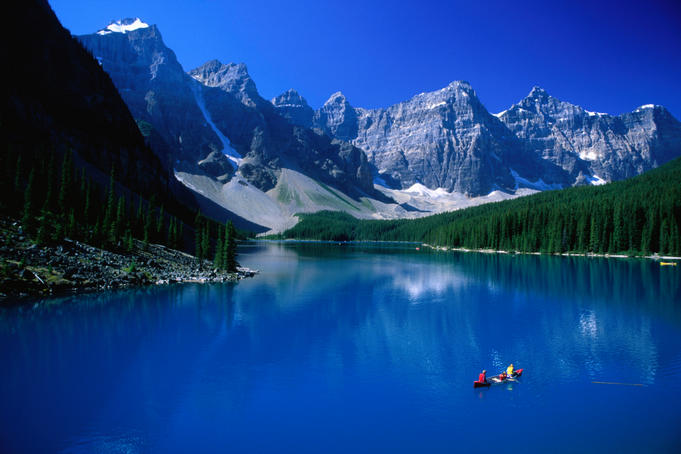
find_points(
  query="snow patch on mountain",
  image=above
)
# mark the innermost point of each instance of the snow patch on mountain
(589, 155)
(595, 180)
(538, 185)
(123, 26)
(433, 106)
(227, 148)
(421, 190)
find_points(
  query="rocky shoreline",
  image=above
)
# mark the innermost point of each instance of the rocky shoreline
(564, 254)
(28, 270)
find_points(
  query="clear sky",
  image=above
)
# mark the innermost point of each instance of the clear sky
(607, 56)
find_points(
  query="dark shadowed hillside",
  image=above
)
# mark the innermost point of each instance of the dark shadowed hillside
(58, 98)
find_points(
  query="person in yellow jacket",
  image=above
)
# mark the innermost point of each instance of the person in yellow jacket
(509, 371)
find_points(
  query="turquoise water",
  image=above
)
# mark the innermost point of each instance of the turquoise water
(354, 349)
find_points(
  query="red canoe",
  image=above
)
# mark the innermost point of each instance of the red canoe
(496, 379)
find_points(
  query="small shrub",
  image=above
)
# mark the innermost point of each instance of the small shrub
(132, 268)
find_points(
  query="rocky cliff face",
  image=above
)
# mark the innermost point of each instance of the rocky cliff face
(294, 107)
(447, 139)
(157, 90)
(444, 139)
(268, 142)
(212, 122)
(586, 145)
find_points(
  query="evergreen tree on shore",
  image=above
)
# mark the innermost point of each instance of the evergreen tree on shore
(198, 230)
(229, 255)
(28, 218)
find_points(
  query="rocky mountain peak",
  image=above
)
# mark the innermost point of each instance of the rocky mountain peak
(538, 93)
(337, 99)
(337, 117)
(461, 85)
(290, 98)
(231, 77)
(292, 106)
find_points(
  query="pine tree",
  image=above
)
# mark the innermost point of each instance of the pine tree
(198, 229)
(27, 220)
(17, 175)
(218, 260)
(230, 248)
(66, 181)
(72, 226)
(147, 224)
(44, 230)
(139, 219)
(109, 215)
(205, 241)
(48, 205)
(118, 226)
(88, 201)
(97, 233)
(129, 243)
(159, 225)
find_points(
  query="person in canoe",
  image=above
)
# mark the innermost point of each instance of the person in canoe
(483, 377)
(509, 371)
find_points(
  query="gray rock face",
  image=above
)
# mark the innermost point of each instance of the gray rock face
(231, 78)
(294, 107)
(584, 143)
(443, 139)
(447, 139)
(215, 110)
(156, 90)
(268, 141)
(337, 118)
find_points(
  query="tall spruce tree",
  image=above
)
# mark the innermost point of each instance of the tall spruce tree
(28, 218)
(66, 182)
(230, 248)
(110, 212)
(218, 261)
(198, 231)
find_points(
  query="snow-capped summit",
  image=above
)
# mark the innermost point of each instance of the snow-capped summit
(123, 26)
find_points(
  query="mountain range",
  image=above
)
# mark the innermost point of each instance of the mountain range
(264, 161)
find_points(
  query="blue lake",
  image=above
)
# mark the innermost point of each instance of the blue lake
(354, 349)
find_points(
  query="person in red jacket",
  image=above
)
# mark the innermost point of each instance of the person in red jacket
(483, 377)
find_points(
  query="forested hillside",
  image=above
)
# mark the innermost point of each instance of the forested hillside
(637, 216)
(74, 163)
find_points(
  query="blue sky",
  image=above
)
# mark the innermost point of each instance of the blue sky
(606, 56)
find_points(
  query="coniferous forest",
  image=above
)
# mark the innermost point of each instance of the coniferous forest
(641, 215)
(74, 163)
(55, 200)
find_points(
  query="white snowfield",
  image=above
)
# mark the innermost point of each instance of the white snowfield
(538, 185)
(120, 26)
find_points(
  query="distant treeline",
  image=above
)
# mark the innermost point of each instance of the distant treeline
(641, 215)
(55, 200)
